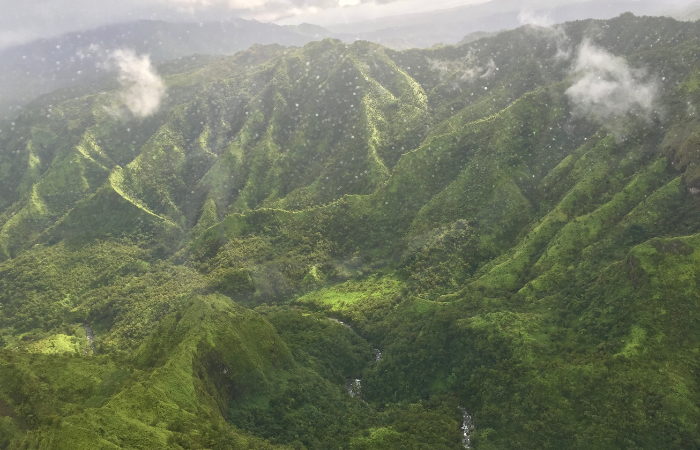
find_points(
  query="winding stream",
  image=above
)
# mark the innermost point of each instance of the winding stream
(354, 387)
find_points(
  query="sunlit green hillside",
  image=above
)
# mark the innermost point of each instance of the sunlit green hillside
(346, 246)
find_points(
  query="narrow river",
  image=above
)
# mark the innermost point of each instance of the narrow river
(354, 387)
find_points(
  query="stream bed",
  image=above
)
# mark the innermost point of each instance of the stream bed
(90, 337)
(467, 428)
(354, 387)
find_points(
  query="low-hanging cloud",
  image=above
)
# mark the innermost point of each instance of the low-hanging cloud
(608, 88)
(528, 17)
(22, 22)
(541, 24)
(142, 89)
(465, 69)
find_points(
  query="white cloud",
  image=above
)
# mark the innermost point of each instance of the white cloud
(142, 88)
(607, 87)
(464, 69)
(527, 17)
(611, 91)
(489, 70)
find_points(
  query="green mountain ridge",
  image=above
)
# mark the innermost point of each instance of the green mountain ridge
(500, 251)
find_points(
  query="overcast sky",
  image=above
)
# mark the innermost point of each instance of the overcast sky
(25, 20)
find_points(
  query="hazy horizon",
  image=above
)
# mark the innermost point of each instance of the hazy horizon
(49, 18)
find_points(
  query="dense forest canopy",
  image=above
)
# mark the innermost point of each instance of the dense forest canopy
(492, 245)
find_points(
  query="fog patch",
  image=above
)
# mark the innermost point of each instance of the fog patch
(91, 52)
(465, 69)
(610, 90)
(541, 24)
(489, 70)
(142, 88)
(527, 17)
(441, 67)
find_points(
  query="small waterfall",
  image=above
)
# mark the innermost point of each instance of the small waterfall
(355, 387)
(90, 337)
(467, 428)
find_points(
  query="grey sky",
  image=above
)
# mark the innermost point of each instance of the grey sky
(30, 19)
(27, 20)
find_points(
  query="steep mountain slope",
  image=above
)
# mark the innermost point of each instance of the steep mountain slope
(503, 251)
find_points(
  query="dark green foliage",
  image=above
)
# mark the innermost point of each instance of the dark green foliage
(330, 349)
(442, 259)
(234, 281)
(304, 411)
(432, 424)
(498, 250)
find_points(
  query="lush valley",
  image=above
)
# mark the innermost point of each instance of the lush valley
(467, 231)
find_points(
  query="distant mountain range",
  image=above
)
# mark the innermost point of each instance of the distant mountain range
(30, 70)
(449, 26)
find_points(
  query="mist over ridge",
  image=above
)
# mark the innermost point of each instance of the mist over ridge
(30, 69)
(142, 88)
(608, 88)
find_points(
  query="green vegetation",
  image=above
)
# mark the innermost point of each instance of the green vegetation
(342, 246)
